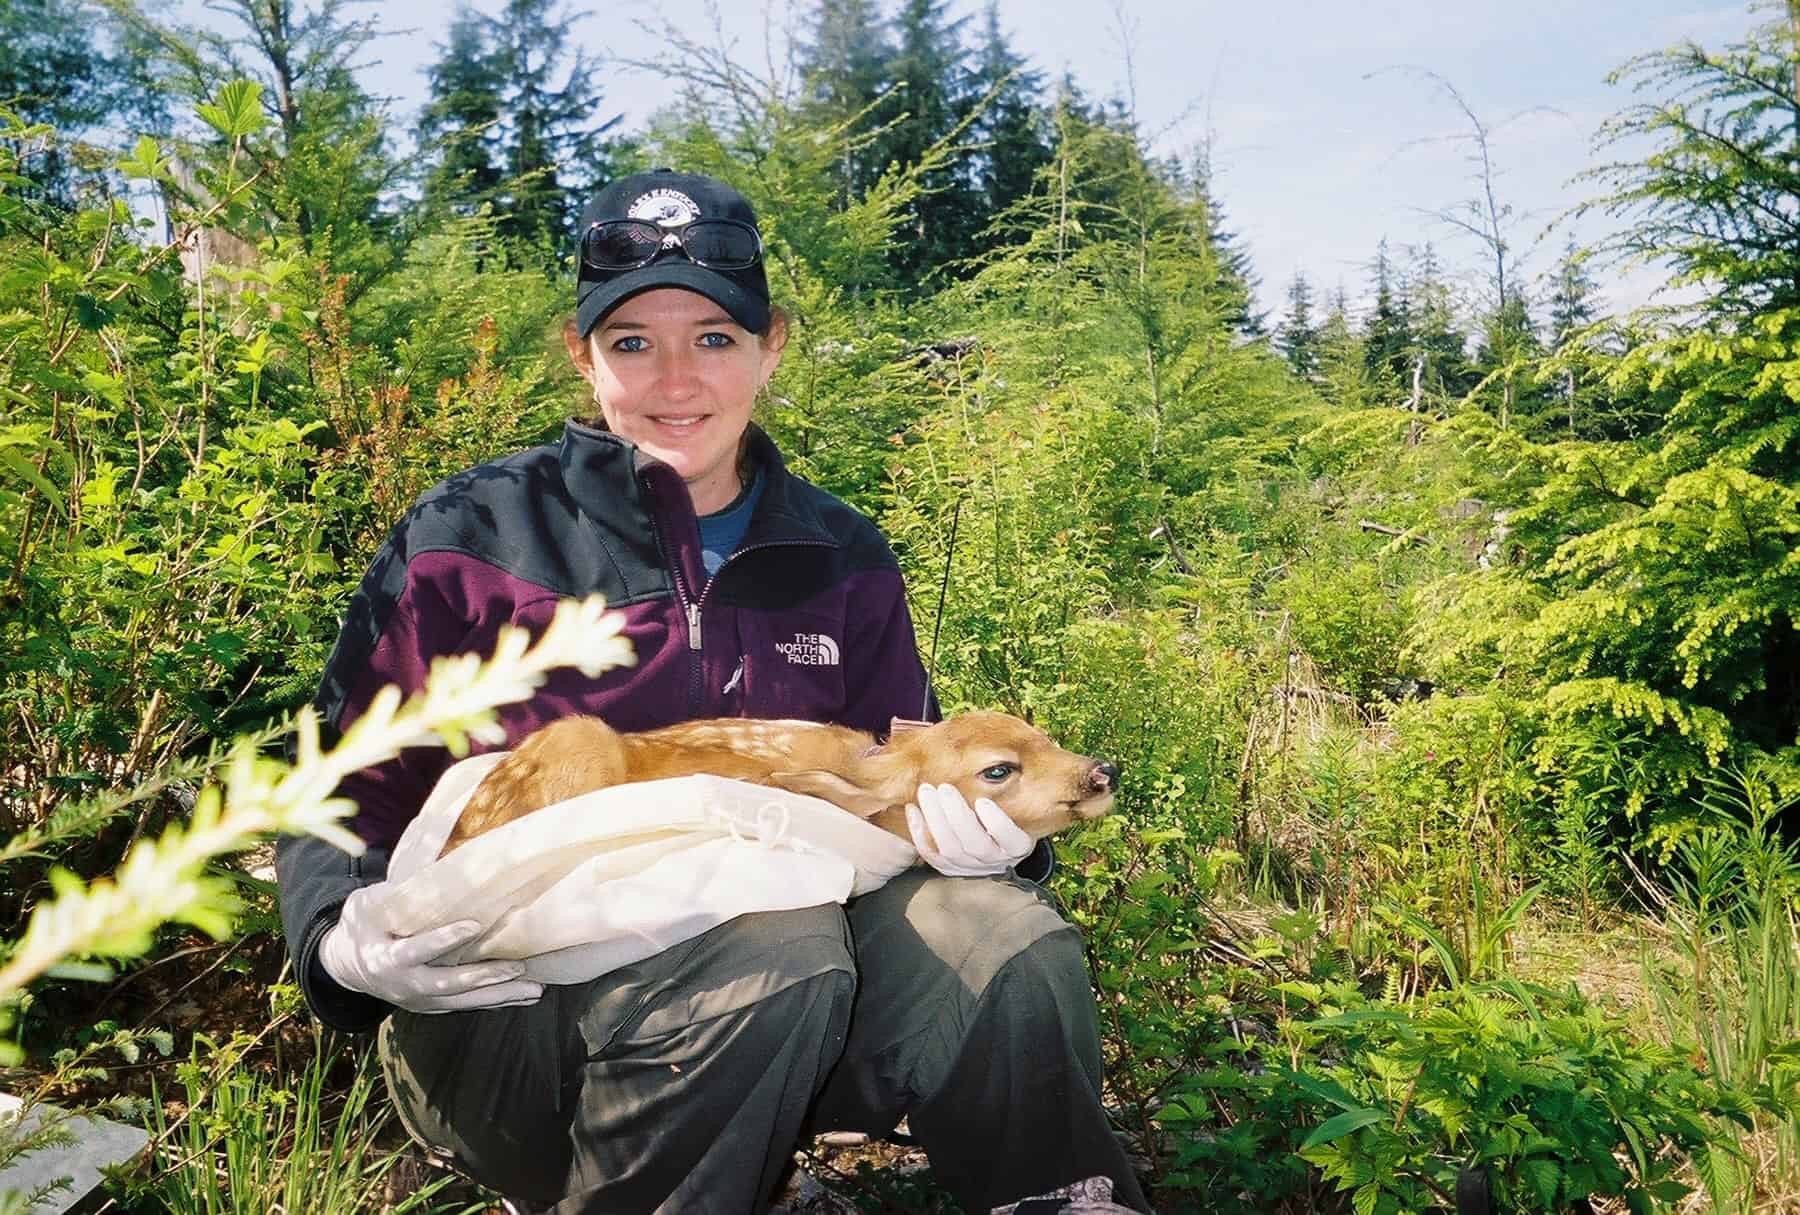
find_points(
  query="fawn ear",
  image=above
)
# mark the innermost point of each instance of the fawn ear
(872, 784)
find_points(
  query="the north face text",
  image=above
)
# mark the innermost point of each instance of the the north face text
(810, 650)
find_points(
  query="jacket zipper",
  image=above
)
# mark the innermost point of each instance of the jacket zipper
(692, 606)
(693, 609)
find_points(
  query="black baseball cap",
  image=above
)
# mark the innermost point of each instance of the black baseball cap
(671, 200)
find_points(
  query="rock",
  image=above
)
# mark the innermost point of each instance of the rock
(99, 1143)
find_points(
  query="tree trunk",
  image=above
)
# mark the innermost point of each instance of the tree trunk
(1794, 29)
(1413, 429)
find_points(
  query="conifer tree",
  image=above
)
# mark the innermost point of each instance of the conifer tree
(1015, 126)
(1572, 309)
(1237, 277)
(1389, 343)
(1344, 376)
(1298, 337)
(844, 71)
(932, 90)
(1718, 203)
(1572, 304)
(555, 147)
(1508, 349)
(1653, 603)
(326, 167)
(65, 64)
(1437, 361)
(459, 127)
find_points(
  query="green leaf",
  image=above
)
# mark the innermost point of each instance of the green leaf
(91, 314)
(1339, 1125)
(238, 111)
(1328, 1091)
(1363, 1016)
(17, 464)
(85, 972)
(145, 160)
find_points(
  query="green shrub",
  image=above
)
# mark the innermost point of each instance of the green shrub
(1552, 1099)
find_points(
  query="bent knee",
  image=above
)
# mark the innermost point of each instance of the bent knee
(979, 925)
(723, 971)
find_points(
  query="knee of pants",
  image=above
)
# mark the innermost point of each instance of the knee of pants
(978, 925)
(725, 970)
(1029, 1005)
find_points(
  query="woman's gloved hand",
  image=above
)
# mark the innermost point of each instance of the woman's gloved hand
(962, 840)
(360, 954)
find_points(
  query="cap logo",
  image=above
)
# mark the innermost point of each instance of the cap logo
(665, 208)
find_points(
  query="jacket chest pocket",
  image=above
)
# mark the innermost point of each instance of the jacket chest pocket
(793, 664)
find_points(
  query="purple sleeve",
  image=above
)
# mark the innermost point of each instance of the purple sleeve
(313, 877)
(883, 677)
(388, 795)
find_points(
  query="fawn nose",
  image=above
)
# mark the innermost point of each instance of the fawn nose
(1104, 778)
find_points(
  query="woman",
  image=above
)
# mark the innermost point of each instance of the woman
(682, 1083)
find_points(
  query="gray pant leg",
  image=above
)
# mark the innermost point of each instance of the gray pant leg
(678, 1084)
(975, 1019)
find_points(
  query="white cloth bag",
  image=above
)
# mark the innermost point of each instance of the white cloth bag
(611, 877)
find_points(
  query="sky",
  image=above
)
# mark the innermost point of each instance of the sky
(1327, 134)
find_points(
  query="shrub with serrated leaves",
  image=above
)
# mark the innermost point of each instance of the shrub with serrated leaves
(195, 468)
(1549, 1097)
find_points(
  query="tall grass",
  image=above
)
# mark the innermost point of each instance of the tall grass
(254, 1141)
(1734, 987)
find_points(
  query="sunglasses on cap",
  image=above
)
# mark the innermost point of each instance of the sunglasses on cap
(626, 244)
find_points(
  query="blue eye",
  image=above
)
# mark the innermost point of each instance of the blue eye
(631, 344)
(717, 341)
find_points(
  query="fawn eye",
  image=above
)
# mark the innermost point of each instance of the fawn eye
(997, 773)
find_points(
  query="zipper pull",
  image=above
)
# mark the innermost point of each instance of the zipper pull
(693, 626)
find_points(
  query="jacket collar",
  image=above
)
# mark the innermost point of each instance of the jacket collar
(603, 471)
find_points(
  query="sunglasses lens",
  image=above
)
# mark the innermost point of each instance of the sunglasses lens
(721, 244)
(621, 244)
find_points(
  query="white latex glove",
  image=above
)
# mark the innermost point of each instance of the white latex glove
(361, 955)
(962, 840)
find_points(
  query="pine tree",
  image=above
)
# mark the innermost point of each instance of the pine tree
(1508, 350)
(460, 127)
(327, 166)
(932, 88)
(554, 148)
(843, 68)
(1437, 361)
(1572, 309)
(1298, 337)
(1718, 203)
(1344, 376)
(1654, 604)
(1015, 128)
(1572, 296)
(1237, 277)
(65, 64)
(1389, 343)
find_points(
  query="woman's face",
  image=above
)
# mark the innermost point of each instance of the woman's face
(673, 373)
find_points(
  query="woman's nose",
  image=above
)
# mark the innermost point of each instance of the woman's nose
(679, 373)
(676, 370)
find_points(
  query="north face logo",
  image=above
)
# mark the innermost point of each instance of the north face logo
(810, 650)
